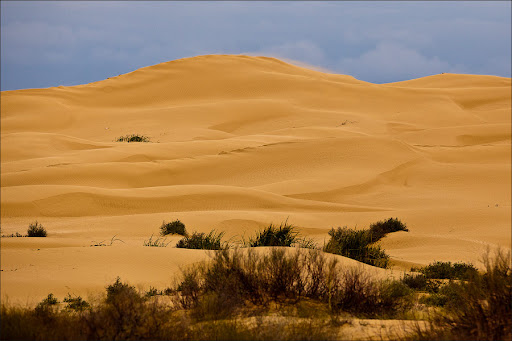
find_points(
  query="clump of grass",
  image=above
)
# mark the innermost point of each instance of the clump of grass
(200, 240)
(36, 230)
(283, 235)
(174, 227)
(133, 138)
(447, 270)
(356, 244)
(360, 244)
(158, 242)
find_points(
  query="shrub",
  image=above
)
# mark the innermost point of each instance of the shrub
(447, 270)
(174, 227)
(381, 228)
(158, 242)
(480, 308)
(210, 241)
(119, 292)
(76, 303)
(284, 235)
(133, 138)
(356, 244)
(36, 230)
(421, 282)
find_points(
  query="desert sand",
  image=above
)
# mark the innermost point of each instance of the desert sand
(239, 142)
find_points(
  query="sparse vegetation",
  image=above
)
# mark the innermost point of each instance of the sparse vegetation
(174, 227)
(476, 309)
(217, 299)
(133, 138)
(76, 303)
(35, 230)
(102, 243)
(158, 242)
(447, 270)
(360, 244)
(200, 240)
(283, 235)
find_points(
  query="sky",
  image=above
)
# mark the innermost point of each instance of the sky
(52, 43)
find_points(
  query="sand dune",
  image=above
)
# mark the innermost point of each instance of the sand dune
(238, 142)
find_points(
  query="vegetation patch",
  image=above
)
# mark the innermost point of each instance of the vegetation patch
(174, 227)
(360, 244)
(242, 294)
(133, 138)
(283, 235)
(447, 270)
(36, 230)
(158, 242)
(200, 240)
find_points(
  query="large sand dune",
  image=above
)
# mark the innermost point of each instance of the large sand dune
(239, 142)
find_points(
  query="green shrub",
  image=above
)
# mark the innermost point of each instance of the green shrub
(210, 241)
(36, 230)
(133, 138)
(381, 228)
(447, 270)
(284, 235)
(356, 244)
(174, 227)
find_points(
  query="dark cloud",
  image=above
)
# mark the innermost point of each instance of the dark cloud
(72, 42)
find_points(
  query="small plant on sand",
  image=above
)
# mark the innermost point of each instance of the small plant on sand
(133, 138)
(36, 230)
(210, 241)
(174, 227)
(283, 235)
(158, 242)
(102, 243)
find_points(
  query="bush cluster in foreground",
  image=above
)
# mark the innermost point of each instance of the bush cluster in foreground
(228, 297)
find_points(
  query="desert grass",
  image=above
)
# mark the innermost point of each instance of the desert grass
(133, 138)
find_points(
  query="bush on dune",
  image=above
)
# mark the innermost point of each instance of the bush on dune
(173, 227)
(360, 244)
(283, 235)
(200, 240)
(36, 230)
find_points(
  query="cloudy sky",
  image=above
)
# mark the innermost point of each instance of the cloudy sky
(47, 44)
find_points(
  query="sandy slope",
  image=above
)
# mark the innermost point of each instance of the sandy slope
(239, 142)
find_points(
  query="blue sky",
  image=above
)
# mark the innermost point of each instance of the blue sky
(47, 44)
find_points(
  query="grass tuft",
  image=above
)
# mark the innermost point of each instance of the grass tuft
(283, 235)
(35, 230)
(158, 242)
(200, 240)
